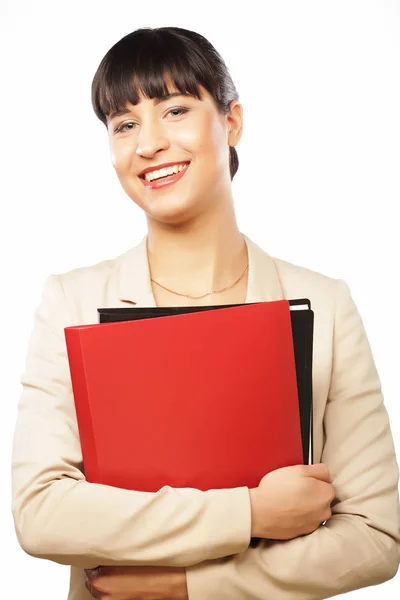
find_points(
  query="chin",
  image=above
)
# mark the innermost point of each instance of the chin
(172, 213)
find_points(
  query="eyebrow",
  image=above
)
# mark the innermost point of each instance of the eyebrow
(124, 111)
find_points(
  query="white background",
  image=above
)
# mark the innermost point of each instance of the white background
(318, 183)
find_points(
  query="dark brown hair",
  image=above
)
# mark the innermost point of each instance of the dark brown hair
(144, 60)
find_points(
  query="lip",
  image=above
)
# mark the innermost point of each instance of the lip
(159, 183)
(163, 166)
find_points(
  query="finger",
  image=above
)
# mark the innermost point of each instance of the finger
(88, 586)
(90, 580)
(92, 574)
(319, 471)
(92, 591)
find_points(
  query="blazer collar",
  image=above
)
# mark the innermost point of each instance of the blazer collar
(135, 286)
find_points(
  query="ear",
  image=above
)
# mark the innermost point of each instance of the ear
(234, 123)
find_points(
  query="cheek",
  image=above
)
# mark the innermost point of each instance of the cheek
(203, 136)
(212, 145)
(120, 157)
(213, 148)
(114, 158)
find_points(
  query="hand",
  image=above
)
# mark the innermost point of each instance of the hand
(137, 583)
(291, 501)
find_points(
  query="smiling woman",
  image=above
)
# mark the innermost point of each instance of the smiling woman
(171, 105)
(173, 119)
(161, 64)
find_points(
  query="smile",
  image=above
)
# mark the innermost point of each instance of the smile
(165, 180)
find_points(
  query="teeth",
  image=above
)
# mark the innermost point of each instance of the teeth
(164, 172)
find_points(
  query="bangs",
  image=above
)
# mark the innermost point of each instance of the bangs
(150, 65)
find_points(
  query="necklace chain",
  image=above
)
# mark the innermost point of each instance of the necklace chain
(208, 293)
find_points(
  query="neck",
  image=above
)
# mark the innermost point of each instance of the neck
(198, 256)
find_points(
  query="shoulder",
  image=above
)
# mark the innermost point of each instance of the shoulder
(292, 274)
(297, 279)
(78, 292)
(328, 295)
(86, 276)
(278, 277)
(338, 327)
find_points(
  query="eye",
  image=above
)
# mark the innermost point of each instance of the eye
(123, 125)
(181, 111)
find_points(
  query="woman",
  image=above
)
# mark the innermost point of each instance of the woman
(167, 100)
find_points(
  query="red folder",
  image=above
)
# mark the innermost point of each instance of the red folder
(204, 400)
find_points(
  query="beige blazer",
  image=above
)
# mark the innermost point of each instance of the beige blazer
(60, 516)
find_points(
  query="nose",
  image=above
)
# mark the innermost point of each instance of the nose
(151, 139)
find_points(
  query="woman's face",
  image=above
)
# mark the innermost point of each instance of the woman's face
(179, 129)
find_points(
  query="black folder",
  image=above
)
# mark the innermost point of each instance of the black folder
(302, 321)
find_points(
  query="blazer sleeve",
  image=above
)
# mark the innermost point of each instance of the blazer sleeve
(359, 545)
(60, 516)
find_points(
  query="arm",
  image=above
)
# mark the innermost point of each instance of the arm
(60, 516)
(360, 544)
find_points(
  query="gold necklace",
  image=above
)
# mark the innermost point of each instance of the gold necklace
(208, 293)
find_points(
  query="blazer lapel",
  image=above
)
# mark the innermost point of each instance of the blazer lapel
(134, 276)
(263, 280)
(134, 282)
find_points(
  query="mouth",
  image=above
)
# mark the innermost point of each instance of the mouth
(164, 180)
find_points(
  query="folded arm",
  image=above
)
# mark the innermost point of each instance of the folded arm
(360, 544)
(60, 516)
